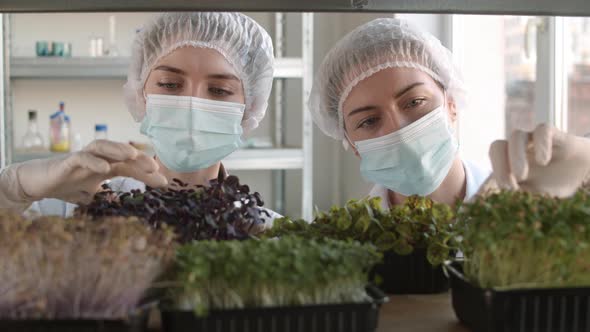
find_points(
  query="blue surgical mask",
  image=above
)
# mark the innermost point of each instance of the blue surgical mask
(413, 160)
(190, 133)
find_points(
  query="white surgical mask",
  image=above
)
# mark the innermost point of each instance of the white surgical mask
(190, 133)
(413, 160)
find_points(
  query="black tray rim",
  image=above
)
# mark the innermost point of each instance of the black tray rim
(454, 268)
(54, 323)
(131, 318)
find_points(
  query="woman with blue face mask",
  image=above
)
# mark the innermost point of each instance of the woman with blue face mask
(197, 83)
(392, 93)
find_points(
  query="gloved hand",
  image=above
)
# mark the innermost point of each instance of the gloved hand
(545, 161)
(77, 177)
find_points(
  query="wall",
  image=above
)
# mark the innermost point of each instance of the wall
(479, 46)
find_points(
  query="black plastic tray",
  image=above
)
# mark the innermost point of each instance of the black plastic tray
(410, 274)
(356, 317)
(135, 323)
(542, 310)
(67, 326)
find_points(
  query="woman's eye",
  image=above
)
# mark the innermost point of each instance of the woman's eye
(416, 102)
(368, 123)
(170, 86)
(220, 92)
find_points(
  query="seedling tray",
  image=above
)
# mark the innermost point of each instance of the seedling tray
(67, 325)
(410, 274)
(355, 317)
(137, 322)
(542, 310)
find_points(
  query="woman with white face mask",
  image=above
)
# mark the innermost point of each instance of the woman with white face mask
(392, 93)
(197, 82)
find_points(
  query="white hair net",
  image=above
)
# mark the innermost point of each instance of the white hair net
(380, 44)
(242, 41)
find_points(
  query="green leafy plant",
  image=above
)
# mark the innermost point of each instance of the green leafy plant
(524, 240)
(55, 268)
(418, 223)
(271, 272)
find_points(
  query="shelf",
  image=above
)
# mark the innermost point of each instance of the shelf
(506, 7)
(57, 67)
(107, 68)
(264, 159)
(246, 159)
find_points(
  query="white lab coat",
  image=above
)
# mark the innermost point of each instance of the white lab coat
(475, 177)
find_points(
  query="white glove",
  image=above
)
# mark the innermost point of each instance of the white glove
(544, 161)
(78, 176)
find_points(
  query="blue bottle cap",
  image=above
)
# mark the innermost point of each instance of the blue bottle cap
(101, 127)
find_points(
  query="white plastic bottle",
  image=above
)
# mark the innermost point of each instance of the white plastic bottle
(101, 131)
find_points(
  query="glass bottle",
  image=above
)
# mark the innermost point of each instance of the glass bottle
(32, 140)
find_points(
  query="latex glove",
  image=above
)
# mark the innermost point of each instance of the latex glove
(78, 176)
(544, 161)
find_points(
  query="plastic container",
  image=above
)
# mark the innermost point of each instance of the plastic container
(42, 48)
(547, 309)
(355, 317)
(101, 131)
(77, 144)
(96, 47)
(58, 133)
(133, 324)
(409, 274)
(112, 50)
(59, 130)
(67, 50)
(58, 48)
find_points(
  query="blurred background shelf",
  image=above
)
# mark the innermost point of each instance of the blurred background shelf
(107, 67)
(245, 159)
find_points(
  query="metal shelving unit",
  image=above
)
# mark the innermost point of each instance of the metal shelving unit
(246, 159)
(107, 68)
(278, 159)
(492, 7)
(291, 68)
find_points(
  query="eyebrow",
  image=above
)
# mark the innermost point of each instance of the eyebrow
(361, 109)
(171, 69)
(408, 88)
(224, 77)
(397, 95)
